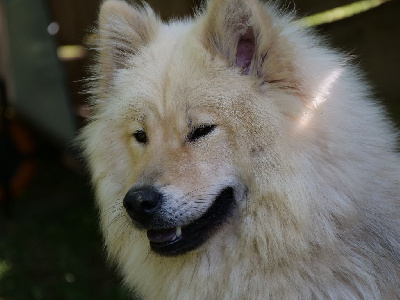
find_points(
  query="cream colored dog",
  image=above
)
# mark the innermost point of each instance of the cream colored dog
(234, 157)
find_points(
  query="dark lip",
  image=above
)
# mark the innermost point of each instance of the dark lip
(197, 232)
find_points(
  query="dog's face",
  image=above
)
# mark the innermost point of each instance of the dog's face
(179, 112)
(182, 184)
(180, 180)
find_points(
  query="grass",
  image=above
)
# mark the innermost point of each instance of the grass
(51, 247)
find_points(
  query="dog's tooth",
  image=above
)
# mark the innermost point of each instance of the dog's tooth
(178, 231)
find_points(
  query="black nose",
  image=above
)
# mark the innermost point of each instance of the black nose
(142, 204)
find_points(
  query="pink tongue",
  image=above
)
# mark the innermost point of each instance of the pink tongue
(161, 236)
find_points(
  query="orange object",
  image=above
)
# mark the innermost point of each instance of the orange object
(26, 166)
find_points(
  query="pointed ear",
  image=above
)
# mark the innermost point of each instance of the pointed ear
(123, 31)
(242, 31)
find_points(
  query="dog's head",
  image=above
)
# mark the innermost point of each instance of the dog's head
(184, 116)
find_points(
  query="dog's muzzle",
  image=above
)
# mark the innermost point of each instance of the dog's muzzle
(144, 206)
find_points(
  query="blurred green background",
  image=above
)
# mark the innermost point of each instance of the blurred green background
(50, 245)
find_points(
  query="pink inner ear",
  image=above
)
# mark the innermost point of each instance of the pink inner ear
(245, 51)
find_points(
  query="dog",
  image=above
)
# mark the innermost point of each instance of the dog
(234, 156)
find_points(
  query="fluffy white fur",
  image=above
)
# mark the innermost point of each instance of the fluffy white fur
(319, 212)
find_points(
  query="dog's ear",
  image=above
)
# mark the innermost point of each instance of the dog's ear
(123, 30)
(243, 32)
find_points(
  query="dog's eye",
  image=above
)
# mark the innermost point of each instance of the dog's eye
(200, 131)
(140, 136)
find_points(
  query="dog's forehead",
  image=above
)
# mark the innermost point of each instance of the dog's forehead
(167, 74)
(142, 84)
(175, 74)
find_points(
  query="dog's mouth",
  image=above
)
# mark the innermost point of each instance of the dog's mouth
(182, 239)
